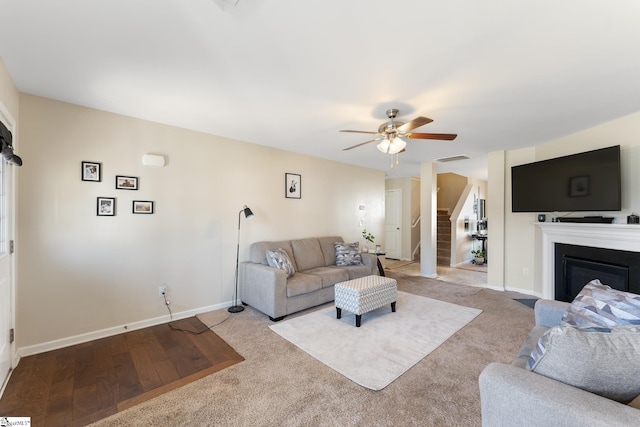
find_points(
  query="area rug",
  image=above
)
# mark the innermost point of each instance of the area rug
(385, 346)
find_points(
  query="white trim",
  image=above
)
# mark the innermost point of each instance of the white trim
(624, 237)
(10, 123)
(522, 291)
(108, 332)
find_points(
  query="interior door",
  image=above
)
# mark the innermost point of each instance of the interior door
(6, 258)
(392, 223)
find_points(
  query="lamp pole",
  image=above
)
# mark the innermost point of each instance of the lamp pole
(237, 308)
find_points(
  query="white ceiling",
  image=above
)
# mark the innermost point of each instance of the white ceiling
(502, 74)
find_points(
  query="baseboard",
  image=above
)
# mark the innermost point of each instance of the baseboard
(108, 332)
(524, 291)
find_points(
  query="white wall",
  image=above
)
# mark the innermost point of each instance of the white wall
(80, 273)
(522, 268)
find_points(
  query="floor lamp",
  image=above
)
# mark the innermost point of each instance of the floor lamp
(238, 308)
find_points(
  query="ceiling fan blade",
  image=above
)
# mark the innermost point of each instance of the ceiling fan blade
(442, 136)
(362, 143)
(359, 131)
(415, 123)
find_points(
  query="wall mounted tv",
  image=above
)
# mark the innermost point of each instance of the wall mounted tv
(588, 181)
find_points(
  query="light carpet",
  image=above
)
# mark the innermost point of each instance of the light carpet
(385, 346)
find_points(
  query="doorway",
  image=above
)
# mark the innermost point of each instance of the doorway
(392, 223)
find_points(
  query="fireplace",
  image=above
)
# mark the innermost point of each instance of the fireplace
(575, 266)
(619, 237)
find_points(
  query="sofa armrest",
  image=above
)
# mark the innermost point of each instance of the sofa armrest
(371, 261)
(264, 288)
(549, 313)
(512, 396)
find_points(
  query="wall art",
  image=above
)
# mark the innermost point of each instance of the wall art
(126, 182)
(106, 206)
(92, 171)
(142, 207)
(292, 186)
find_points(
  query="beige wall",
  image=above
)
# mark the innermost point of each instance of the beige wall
(84, 274)
(450, 187)
(9, 95)
(521, 246)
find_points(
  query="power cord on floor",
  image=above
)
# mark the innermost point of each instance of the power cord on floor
(166, 302)
(208, 328)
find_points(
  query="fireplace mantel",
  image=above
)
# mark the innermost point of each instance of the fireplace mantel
(625, 237)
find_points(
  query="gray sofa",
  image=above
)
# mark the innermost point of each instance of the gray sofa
(268, 289)
(511, 395)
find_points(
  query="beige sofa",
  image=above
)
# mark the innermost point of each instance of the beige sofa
(268, 289)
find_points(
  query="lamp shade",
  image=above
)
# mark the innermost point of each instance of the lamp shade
(392, 146)
(384, 146)
(247, 212)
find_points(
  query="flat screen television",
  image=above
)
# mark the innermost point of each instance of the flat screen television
(588, 181)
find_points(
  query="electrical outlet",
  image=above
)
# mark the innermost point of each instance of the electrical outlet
(525, 271)
(162, 291)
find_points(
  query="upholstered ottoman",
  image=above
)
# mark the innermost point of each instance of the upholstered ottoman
(365, 294)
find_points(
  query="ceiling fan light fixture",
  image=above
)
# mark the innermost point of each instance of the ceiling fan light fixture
(384, 146)
(392, 146)
(397, 145)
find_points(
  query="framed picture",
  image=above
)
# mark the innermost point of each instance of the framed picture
(126, 182)
(106, 206)
(579, 186)
(142, 207)
(292, 186)
(91, 171)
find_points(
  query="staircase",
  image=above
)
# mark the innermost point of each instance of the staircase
(443, 238)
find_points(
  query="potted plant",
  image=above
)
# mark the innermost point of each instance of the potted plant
(367, 237)
(478, 256)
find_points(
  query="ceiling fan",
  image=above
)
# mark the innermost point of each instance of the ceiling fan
(392, 132)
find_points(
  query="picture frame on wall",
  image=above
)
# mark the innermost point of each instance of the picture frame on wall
(292, 186)
(126, 182)
(142, 207)
(92, 171)
(106, 206)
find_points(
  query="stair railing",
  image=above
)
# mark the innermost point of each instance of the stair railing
(415, 224)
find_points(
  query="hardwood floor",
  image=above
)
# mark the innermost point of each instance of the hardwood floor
(78, 385)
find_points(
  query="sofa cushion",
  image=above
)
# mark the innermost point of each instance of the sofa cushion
(278, 258)
(328, 249)
(604, 363)
(347, 254)
(307, 253)
(258, 251)
(356, 271)
(301, 283)
(329, 275)
(600, 305)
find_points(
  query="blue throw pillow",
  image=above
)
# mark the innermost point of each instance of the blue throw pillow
(599, 305)
(347, 254)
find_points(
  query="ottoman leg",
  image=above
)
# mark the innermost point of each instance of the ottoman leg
(358, 320)
(393, 306)
(338, 312)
